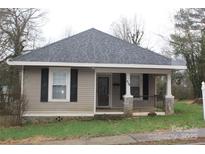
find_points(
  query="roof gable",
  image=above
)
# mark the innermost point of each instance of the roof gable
(94, 46)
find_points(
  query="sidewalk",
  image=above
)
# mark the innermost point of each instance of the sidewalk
(135, 138)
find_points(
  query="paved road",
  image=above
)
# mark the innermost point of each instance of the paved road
(136, 138)
(197, 143)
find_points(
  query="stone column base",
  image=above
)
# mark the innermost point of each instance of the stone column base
(169, 105)
(128, 105)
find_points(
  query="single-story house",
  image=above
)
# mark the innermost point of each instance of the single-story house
(94, 73)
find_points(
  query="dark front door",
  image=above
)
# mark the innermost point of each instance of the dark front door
(103, 91)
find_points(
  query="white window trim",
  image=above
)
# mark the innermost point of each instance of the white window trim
(140, 86)
(50, 85)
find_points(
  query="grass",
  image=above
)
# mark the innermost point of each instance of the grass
(186, 116)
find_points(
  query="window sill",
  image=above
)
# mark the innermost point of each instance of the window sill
(59, 100)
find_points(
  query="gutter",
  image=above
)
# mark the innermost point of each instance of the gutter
(100, 65)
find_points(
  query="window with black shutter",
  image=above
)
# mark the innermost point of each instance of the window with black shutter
(145, 86)
(122, 85)
(44, 85)
(74, 85)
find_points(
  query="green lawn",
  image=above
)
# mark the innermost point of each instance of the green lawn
(186, 116)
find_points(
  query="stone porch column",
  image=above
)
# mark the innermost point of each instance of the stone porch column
(128, 98)
(169, 99)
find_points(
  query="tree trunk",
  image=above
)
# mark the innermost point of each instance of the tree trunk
(196, 87)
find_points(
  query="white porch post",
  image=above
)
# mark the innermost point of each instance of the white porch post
(128, 93)
(169, 86)
(128, 98)
(22, 79)
(169, 99)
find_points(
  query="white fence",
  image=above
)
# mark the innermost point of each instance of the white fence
(203, 96)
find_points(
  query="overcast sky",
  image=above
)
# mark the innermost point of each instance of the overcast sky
(156, 21)
(80, 15)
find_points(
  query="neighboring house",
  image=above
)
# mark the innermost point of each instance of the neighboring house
(93, 73)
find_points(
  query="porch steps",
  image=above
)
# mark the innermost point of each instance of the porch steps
(109, 116)
(146, 113)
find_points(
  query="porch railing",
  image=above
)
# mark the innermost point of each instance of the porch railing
(146, 103)
(155, 103)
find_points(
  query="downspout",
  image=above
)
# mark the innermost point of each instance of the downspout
(22, 79)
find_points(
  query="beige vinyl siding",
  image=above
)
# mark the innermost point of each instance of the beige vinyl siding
(32, 90)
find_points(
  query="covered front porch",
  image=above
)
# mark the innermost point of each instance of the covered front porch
(132, 91)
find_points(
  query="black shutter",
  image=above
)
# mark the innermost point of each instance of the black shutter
(122, 85)
(74, 85)
(145, 86)
(44, 85)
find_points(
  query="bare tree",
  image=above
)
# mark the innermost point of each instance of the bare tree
(68, 32)
(19, 30)
(129, 30)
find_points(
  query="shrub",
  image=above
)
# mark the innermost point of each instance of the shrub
(12, 106)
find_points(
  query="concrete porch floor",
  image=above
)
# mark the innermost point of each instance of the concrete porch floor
(136, 111)
(109, 111)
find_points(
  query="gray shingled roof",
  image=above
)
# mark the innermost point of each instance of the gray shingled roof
(94, 46)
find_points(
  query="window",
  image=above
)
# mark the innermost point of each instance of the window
(59, 84)
(74, 85)
(135, 85)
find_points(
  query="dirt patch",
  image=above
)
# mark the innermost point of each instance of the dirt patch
(197, 101)
(189, 101)
(30, 140)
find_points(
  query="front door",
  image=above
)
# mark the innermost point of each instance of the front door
(103, 91)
